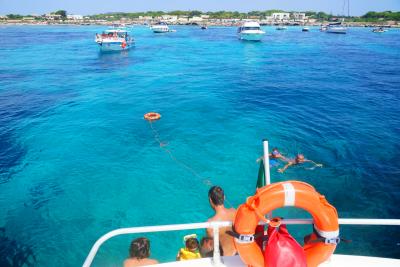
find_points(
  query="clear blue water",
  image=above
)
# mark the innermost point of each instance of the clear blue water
(77, 159)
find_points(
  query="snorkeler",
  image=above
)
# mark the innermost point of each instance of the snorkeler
(277, 155)
(274, 155)
(298, 160)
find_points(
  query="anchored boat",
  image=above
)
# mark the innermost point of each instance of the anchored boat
(114, 39)
(319, 246)
(379, 30)
(250, 31)
(281, 28)
(160, 27)
(336, 28)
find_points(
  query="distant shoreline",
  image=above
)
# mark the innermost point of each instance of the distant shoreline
(221, 24)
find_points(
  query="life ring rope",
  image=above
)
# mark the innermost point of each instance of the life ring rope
(163, 145)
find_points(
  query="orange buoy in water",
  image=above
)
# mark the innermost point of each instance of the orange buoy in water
(152, 116)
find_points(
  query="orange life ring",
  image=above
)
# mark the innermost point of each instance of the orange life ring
(322, 242)
(152, 116)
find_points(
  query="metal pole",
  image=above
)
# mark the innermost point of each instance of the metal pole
(216, 254)
(266, 169)
(266, 162)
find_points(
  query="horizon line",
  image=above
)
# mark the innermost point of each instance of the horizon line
(190, 10)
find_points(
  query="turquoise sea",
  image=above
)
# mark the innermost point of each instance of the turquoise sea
(77, 159)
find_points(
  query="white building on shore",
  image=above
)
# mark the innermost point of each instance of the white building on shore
(196, 19)
(74, 17)
(282, 16)
(52, 17)
(169, 18)
(298, 16)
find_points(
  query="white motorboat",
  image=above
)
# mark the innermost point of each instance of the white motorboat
(336, 28)
(114, 39)
(281, 28)
(379, 30)
(323, 28)
(305, 29)
(160, 27)
(250, 31)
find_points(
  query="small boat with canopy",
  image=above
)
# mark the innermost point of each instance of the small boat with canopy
(114, 39)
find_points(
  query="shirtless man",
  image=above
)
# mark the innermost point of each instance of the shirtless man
(300, 159)
(216, 197)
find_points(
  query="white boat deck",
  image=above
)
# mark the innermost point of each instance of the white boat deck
(335, 261)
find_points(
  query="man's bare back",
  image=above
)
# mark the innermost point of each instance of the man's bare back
(141, 262)
(216, 197)
(227, 243)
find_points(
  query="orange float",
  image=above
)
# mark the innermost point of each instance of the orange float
(320, 244)
(152, 116)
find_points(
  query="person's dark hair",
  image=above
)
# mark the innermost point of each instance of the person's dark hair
(216, 194)
(140, 248)
(208, 251)
(192, 243)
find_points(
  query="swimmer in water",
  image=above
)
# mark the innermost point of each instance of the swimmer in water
(274, 155)
(296, 161)
(277, 155)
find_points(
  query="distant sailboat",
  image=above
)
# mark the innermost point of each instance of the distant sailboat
(338, 27)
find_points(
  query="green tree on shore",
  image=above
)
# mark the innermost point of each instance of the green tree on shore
(386, 15)
(62, 13)
(14, 16)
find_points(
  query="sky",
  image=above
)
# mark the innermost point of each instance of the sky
(89, 7)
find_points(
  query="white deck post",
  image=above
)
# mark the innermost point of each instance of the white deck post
(266, 162)
(266, 168)
(216, 254)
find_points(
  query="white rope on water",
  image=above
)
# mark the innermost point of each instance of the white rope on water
(163, 145)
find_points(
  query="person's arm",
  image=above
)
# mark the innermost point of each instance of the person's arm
(261, 158)
(285, 167)
(284, 158)
(316, 164)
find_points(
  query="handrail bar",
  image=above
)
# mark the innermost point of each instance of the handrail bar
(216, 225)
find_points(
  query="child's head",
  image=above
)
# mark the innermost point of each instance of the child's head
(192, 244)
(275, 151)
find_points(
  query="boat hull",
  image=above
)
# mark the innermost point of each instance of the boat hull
(251, 36)
(339, 30)
(117, 46)
(160, 29)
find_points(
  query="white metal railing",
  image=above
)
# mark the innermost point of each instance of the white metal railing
(216, 226)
